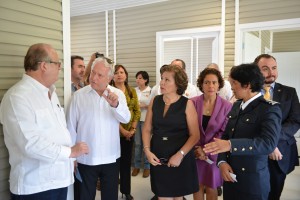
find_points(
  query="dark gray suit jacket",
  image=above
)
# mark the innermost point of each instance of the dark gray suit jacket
(290, 107)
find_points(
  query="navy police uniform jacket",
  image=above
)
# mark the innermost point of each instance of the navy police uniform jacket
(254, 133)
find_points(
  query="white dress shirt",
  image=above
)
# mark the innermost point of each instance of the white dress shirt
(36, 137)
(91, 119)
(245, 104)
(226, 92)
(144, 97)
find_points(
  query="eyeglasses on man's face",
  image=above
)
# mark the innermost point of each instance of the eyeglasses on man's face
(52, 62)
(56, 63)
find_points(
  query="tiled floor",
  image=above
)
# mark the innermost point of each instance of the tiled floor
(141, 189)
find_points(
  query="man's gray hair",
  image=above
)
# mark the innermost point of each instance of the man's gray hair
(213, 65)
(106, 64)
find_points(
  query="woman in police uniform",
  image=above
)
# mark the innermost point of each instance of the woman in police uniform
(251, 134)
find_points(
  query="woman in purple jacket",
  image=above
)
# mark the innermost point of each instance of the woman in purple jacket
(212, 116)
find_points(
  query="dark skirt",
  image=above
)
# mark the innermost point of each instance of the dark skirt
(173, 181)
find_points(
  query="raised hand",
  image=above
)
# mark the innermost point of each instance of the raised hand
(111, 98)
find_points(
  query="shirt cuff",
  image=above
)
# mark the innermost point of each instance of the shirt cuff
(222, 161)
(230, 146)
(65, 152)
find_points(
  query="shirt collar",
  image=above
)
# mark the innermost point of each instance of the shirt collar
(38, 85)
(90, 89)
(245, 104)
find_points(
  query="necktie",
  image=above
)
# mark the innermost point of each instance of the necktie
(267, 94)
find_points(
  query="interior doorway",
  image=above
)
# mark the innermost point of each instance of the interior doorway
(197, 47)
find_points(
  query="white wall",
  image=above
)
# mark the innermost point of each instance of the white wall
(288, 71)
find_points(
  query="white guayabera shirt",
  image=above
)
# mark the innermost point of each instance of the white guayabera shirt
(91, 119)
(36, 137)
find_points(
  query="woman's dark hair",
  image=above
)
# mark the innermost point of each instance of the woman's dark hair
(161, 68)
(117, 67)
(248, 74)
(206, 72)
(145, 76)
(180, 77)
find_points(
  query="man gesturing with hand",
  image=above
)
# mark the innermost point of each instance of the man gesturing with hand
(93, 117)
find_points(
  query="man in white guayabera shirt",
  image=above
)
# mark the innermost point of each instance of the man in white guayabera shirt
(94, 116)
(35, 132)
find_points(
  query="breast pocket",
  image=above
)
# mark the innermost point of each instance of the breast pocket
(53, 171)
(249, 119)
(43, 118)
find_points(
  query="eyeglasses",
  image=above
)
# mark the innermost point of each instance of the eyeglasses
(164, 161)
(57, 63)
(100, 55)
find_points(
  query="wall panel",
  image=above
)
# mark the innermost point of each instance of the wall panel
(23, 23)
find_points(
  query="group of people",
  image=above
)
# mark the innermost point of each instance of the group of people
(193, 138)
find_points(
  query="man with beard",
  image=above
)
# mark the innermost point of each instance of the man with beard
(285, 156)
(77, 72)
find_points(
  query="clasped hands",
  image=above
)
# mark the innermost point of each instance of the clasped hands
(129, 134)
(174, 160)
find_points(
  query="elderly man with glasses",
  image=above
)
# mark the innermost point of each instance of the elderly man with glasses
(35, 131)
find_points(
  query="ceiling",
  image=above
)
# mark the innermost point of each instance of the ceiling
(84, 7)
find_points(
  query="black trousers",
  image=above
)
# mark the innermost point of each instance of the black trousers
(76, 188)
(125, 165)
(277, 178)
(55, 194)
(109, 176)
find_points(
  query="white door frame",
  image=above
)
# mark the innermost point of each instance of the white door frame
(258, 26)
(214, 31)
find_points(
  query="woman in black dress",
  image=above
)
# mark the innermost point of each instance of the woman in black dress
(173, 121)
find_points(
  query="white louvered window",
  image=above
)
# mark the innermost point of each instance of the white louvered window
(196, 50)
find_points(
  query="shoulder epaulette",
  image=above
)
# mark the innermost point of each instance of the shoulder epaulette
(271, 102)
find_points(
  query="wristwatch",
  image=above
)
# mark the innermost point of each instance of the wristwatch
(182, 153)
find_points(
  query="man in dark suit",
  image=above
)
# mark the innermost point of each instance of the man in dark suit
(251, 134)
(285, 157)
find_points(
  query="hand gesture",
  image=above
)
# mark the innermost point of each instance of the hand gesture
(218, 146)
(111, 98)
